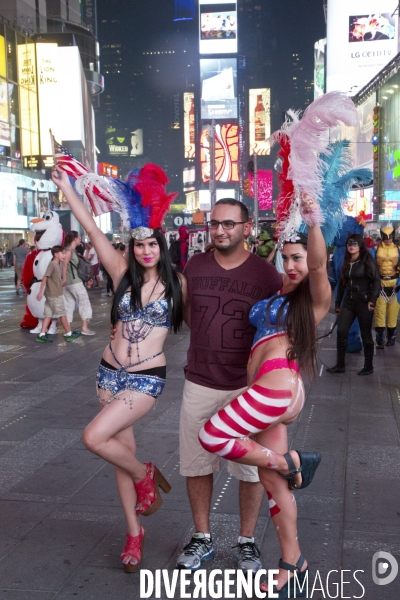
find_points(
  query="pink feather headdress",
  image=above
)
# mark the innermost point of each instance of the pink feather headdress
(302, 141)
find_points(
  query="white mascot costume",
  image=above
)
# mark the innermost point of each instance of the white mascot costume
(48, 233)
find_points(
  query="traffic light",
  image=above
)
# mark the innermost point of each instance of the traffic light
(246, 187)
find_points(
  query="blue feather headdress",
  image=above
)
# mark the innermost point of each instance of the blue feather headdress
(338, 180)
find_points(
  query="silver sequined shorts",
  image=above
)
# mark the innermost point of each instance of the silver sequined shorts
(116, 381)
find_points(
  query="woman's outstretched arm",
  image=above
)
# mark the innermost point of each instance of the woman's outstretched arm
(114, 263)
(320, 289)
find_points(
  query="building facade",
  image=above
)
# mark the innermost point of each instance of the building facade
(47, 81)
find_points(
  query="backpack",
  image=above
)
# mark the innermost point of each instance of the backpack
(175, 252)
(84, 270)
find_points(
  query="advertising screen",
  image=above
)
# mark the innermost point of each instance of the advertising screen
(48, 93)
(218, 27)
(319, 68)
(391, 207)
(184, 10)
(359, 201)
(122, 142)
(189, 129)
(28, 99)
(259, 121)
(218, 88)
(189, 179)
(137, 142)
(226, 152)
(107, 170)
(71, 125)
(362, 39)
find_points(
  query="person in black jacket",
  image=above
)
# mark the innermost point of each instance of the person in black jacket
(360, 286)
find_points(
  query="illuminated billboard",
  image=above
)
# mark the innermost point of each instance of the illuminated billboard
(319, 68)
(4, 118)
(48, 93)
(28, 103)
(189, 129)
(107, 170)
(137, 142)
(218, 88)
(189, 179)
(362, 39)
(218, 27)
(71, 126)
(259, 121)
(226, 152)
(122, 142)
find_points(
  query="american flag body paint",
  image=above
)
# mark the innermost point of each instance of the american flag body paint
(273, 507)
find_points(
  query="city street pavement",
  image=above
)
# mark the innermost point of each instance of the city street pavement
(61, 523)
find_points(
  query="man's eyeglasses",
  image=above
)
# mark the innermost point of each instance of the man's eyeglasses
(224, 224)
(354, 244)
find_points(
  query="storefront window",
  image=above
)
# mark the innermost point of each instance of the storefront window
(22, 202)
(26, 200)
(389, 148)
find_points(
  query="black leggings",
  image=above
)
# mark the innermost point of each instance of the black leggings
(351, 309)
(110, 286)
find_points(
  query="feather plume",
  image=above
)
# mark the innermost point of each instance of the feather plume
(151, 185)
(308, 170)
(141, 200)
(309, 137)
(339, 179)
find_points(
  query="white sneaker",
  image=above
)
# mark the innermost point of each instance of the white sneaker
(52, 329)
(195, 552)
(87, 332)
(37, 329)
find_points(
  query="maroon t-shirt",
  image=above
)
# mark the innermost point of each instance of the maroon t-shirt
(221, 333)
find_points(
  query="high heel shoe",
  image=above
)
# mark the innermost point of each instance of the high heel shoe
(149, 499)
(133, 550)
(292, 589)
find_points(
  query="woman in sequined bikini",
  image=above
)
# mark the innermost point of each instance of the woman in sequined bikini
(148, 301)
(252, 429)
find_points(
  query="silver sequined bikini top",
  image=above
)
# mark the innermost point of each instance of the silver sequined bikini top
(155, 313)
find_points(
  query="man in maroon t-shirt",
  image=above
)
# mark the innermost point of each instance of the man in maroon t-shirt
(222, 287)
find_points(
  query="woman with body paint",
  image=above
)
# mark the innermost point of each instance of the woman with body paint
(252, 429)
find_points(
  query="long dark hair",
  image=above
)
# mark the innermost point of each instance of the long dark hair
(70, 237)
(133, 279)
(364, 257)
(300, 326)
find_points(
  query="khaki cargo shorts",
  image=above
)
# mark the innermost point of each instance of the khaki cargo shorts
(199, 403)
(54, 307)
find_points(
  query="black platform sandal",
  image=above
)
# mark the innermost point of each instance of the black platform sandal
(294, 588)
(309, 462)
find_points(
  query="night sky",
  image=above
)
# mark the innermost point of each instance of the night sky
(298, 25)
(268, 38)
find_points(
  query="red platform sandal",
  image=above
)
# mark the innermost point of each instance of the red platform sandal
(149, 498)
(133, 550)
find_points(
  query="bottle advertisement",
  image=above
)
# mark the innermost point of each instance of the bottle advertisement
(259, 121)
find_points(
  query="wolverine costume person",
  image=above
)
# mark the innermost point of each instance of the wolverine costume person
(387, 258)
